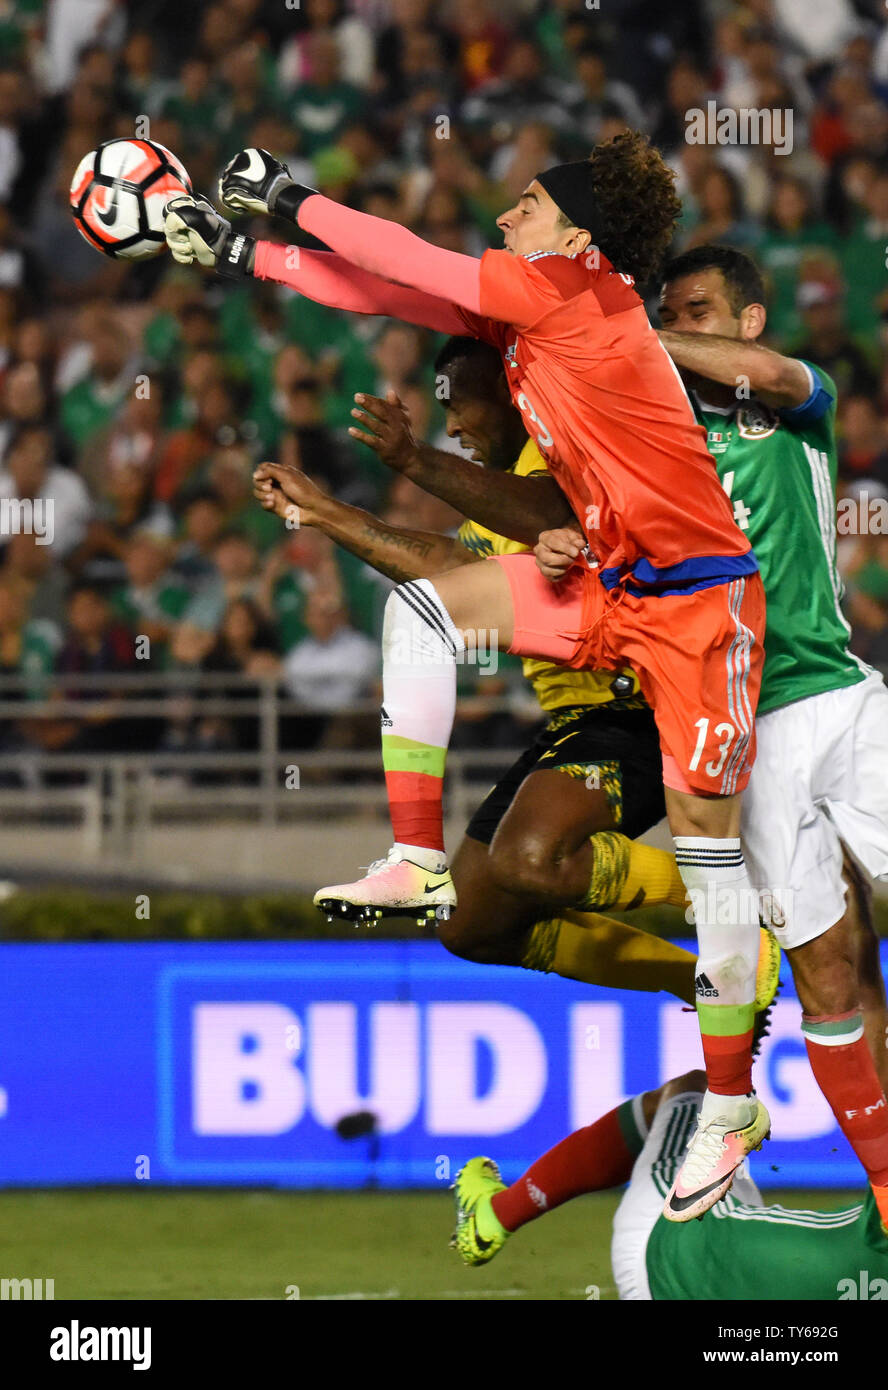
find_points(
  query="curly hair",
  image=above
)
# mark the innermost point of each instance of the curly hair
(635, 191)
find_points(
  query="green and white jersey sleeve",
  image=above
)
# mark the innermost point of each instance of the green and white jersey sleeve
(779, 468)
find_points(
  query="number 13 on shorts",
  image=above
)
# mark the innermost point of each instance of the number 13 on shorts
(723, 731)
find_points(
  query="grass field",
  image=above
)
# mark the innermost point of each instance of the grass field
(107, 1244)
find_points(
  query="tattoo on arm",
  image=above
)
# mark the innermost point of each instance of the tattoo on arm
(414, 544)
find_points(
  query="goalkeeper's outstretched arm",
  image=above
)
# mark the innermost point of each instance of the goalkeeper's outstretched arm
(254, 181)
(329, 279)
(196, 231)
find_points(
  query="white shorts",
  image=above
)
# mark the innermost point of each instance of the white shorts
(820, 777)
(652, 1177)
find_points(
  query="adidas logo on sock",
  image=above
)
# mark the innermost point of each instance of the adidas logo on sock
(705, 988)
(384, 721)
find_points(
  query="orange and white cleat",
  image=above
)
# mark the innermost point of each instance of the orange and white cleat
(392, 887)
(728, 1128)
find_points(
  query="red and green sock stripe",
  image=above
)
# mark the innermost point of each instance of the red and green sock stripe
(726, 1032)
(414, 777)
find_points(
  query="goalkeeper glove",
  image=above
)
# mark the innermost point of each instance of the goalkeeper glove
(194, 230)
(254, 181)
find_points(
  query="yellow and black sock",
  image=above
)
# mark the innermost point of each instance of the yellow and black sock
(627, 874)
(599, 950)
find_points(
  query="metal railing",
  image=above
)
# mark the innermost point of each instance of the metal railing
(113, 798)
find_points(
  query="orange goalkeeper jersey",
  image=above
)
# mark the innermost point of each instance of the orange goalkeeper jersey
(604, 402)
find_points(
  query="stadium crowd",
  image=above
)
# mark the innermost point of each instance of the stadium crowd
(138, 399)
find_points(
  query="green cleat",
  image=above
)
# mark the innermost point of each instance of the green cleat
(767, 983)
(478, 1235)
(767, 975)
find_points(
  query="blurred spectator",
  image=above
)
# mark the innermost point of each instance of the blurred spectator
(247, 95)
(827, 341)
(722, 214)
(194, 105)
(229, 477)
(524, 92)
(334, 665)
(91, 403)
(142, 90)
(152, 600)
(865, 570)
(791, 231)
(246, 642)
(96, 644)
(202, 524)
(305, 562)
(354, 43)
(30, 474)
(863, 443)
(26, 401)
(863, 259)
(96, 641)
(321, 107)
(235, 576)
(19, 267)
(409, 20)
(29, 566)
(127, 508)
(217, 415)
(28, 646)
(600, 95)
(13, 103)
(134, 439)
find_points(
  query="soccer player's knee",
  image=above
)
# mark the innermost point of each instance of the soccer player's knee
(527, 865)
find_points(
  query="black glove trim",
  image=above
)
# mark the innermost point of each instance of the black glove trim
(290, 199)
(236, 256)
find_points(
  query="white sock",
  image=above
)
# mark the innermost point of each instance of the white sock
(736, 1109)
(726, 912)
(420, 645)
(432, 860)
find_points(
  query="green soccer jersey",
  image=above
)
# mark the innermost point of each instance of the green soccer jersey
(770, 1253)
(778, 467)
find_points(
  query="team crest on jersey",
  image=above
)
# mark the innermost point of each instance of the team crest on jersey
(756, 421)
(511, 352)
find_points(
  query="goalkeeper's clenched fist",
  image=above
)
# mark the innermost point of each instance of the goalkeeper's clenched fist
(195, 231)
(254, 181)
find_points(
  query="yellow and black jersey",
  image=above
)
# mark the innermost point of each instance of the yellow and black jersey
(556, 687)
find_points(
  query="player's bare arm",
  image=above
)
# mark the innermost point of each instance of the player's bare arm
(513, 506)
(773, 378)
(397, 552)
(710, 326)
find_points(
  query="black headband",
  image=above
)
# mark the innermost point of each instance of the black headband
(571, 187)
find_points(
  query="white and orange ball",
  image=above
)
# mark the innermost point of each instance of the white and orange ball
(118, 195)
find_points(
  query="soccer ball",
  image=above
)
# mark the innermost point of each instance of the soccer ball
(118, 195)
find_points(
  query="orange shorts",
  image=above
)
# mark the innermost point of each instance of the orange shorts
(698, 657)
